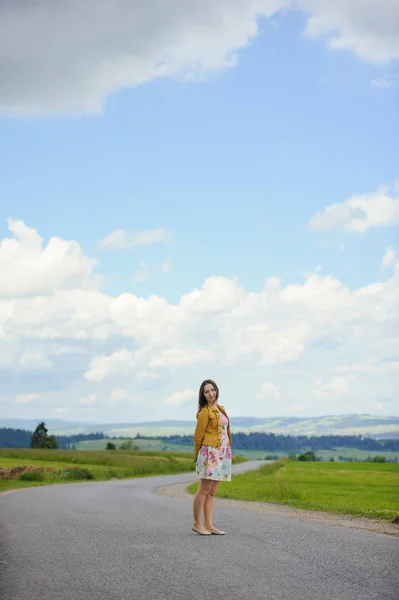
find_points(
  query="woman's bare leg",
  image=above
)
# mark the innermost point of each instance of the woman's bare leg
(208, 508)
(199, 502)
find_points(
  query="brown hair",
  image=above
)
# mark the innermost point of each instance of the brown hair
(201, 398)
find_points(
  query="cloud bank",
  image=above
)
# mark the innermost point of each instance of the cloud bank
(66, 58)
(315, 346)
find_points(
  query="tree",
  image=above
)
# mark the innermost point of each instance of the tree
(110, 446)
(308, 456)
(128, 445)
(41, 439)
(379, 459)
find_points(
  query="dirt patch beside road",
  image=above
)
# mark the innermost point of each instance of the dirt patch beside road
(15, 472)
(179, 490)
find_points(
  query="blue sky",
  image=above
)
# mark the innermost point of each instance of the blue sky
(230, 173)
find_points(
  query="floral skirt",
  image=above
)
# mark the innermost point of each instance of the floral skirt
(214, 463)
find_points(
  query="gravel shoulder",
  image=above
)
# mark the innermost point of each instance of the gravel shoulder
(179, 490)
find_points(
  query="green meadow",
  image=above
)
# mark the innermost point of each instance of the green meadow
(61, 466)
(325, 455)
(158, 445)
(153, 444)
(362, 489)
(45, 467)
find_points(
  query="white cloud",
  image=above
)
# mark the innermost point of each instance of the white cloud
(147, 375)
(219, 294)
(243, 338)
(382, 83)
(177, 357)
(359, 213)
(297, 407)
(269, 390)
(142, 274)
(119, 395)
(115, 396)
(371, 366)
(72, 70)
(390, 258)
(60, 410)
(337, 386)
(48, 69)
(132, 399)
(25, 398)
(70, 350)
(91, 399)
(166, 266)
(123, 239)
(102, 367)
(179, 398)
(75, 315)
(269, 345)
(28, 269)
(369, 29)
(34, 360)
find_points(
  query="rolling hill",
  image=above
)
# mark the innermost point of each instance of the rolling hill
(357, 424)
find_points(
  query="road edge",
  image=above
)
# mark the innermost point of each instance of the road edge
(179, 490)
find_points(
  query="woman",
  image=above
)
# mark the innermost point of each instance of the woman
(212, 451)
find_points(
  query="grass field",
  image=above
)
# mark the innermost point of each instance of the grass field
(154, 444)
(355, 454)
(362, 489)
(62, 466)
(347, 453)
(158, 445)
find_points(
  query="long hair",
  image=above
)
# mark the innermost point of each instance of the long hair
(201, 398)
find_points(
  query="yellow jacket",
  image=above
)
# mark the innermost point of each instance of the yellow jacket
(208, 430)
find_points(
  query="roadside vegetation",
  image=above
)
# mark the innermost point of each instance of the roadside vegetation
(368, 489)
(33, 467)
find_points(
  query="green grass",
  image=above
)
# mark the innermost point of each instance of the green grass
(362, 489)
(153, 444)
(355, 453)
(60, 466)
(158, 445)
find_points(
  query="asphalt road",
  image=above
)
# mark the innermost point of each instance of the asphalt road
(118, 540)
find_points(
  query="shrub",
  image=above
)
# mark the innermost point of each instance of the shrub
(379, 459)
(113, 474)
(127, 445)
(76, 473)
(110, 446)
(32, 476)
(239, 459)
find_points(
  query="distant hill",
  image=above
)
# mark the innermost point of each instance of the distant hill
(366, 425)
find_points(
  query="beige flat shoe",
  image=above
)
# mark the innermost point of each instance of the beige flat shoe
(205, 532)
(217, 532)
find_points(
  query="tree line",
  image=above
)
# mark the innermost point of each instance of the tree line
(290, 443)
(21, 438)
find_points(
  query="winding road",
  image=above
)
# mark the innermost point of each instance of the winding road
(119, 540)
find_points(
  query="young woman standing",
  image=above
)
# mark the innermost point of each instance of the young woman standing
(212, 452)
